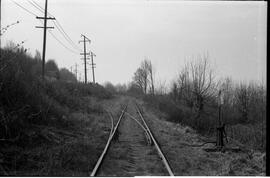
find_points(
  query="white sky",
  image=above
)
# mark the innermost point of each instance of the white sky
(124, 32)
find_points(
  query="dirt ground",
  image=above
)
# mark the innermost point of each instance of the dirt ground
(130, 153)
(187, 160)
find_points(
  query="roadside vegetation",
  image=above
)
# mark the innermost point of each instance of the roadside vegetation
(193, 100)
(43, 123)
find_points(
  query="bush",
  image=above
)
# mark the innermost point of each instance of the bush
(25, 99)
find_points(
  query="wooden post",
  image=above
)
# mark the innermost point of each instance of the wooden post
(220, 128)
(85, 39)
(93, 66)
(45, 18)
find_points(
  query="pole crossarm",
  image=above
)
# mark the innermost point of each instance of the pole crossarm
(85, 39)
(44, 27)
(84, 53)
(47, 18)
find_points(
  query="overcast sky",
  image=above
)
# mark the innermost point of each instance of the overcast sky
(168, 33)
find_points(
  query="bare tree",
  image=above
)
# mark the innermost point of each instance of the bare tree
(139, 79)
(144, 73)
(185, 87)
(151, 76)
(227, 89)
(175, 92)
(196, 84)
(133, 88)
(161, 87)
(242, 96)
(143, 76)
(202, 79)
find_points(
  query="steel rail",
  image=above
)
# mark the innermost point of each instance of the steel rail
(112, 123)
(146, 131)
(156, 145)
(107, 145)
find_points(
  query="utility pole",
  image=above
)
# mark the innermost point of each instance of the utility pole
(45, 18)
(85, 39)
(93, 66)
(76, 71)
(221, 127)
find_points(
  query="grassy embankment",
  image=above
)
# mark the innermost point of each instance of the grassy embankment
(47, 128)
(251, 133)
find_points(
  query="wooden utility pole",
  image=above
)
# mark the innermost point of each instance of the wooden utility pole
(76, 71)
(45, 18)
(219, 109)
(93, 66)
(85, 39)
(221, 128)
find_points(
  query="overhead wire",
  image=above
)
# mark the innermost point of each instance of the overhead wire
(58, 26)
(35, 6)
(62, 43)
(57, 23)
(25, 9)
(48, 30)
(41, 8)
(59, 41)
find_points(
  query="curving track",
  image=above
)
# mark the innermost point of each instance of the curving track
(128, 152)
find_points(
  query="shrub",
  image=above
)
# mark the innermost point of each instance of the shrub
(25, 99)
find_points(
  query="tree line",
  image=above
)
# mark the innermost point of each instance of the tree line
(196, 94)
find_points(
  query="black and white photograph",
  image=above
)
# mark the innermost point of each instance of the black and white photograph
(125, 88)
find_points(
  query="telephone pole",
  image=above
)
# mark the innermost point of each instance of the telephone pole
(71, 69)
(80, 76)
(45, 18)
(85, 39)
(76, 71)
(93, 66)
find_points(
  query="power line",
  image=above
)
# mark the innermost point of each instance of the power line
(74, 45)
(59, 28)
(65, 36)
(38, 8)
(49, 31)
(42, 8)
(59, 41)
(25, 9)
(62, 43)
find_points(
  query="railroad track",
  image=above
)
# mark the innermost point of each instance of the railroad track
(165, 162)
(132, 146)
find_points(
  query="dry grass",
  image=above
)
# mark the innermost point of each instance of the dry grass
(175, 141)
